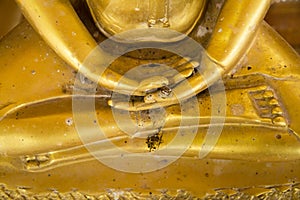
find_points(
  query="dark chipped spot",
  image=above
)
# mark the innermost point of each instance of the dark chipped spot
(154, 141)
(64, 90)
(278, 136)
(179, 179)
(67, 88)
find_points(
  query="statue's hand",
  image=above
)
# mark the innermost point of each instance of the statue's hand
(159, 76)
(183, 87)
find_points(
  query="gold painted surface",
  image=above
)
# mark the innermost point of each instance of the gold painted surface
(256, 156)
(113, 17)
(10, 16)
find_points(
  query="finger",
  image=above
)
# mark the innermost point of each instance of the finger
(138, 105)
(153, 83)
(180, 62)
(188, 65)
(184, 71)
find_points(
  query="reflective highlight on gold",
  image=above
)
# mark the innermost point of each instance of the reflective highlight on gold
(113, 17)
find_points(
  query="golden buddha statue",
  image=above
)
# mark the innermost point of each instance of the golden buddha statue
(135, 99)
